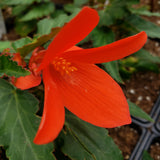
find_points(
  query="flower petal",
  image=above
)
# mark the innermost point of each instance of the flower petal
(36, 59)
(72, 33)
(37, 56)
(53, 113)
(92, 95)
(18, 59)
(110, 52)
(27, 81)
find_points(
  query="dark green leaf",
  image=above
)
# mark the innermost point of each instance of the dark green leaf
(145, 55)
(57, 13)
(24, 28)
(10, 68)
(19, 125)
(138, 112)
(17, 10)
(105, 19)
(144, 65)
(82, 140)
(80, 2)
(146, 156)
(126, 72)
(140, 63)
(102, 36)
(144, 11)
(130, 3)
(76, 150)
(141, 24)
(39, 11)
(113, 69)
(117, 9)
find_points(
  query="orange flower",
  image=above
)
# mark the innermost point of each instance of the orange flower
(72, 80)
(32, 80)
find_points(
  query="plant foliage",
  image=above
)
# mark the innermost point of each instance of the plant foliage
(10, 68)
(88, 141)
(19, 124)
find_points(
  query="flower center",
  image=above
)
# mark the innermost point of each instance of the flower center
(64, 67)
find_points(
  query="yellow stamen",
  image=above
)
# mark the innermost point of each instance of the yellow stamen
(63, 66)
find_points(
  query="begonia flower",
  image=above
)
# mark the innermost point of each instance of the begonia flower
(34, 79)
(72, 79)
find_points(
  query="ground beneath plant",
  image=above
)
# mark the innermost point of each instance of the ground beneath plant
(126, 138)
(154, 151)
(143, 89)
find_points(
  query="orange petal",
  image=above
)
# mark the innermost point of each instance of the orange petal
(53, 113)
(92, 95)
(36, 59)
(18, 59)
(74, 48)
(37, 56)
(72, 33)
(111, 52)
(27, 81)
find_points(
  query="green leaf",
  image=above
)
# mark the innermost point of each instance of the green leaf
(88, 142)
(16, 2)
(21, 42)
(45, 25)
(19, 9)
(57, 12)
(80, 2)
(113, 69)
(117, 9)
(102, 36)
(141, 24)
(144, 11)
(24, 28)
(105, 19)
(71, 8)
(4, 45)
(147, 56)
(130, 3)
(10, 68)
(140, 63)
(39, 11)
(26, 49)
(61, 20)
(18, 125)
(144, 65)
(138, 112)
(146, 156)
